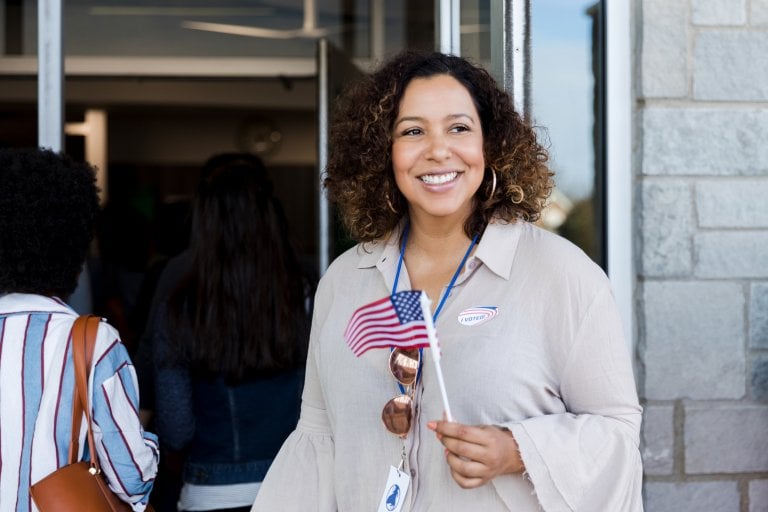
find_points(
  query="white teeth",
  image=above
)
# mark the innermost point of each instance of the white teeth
(438, 179)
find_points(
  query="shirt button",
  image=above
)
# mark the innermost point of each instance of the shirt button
(472, 264)
(413, 473)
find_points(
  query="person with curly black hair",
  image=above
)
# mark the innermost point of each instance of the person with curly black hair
(48, 207)
(440, 179)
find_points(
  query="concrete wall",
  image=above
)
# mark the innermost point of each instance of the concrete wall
(702, 202)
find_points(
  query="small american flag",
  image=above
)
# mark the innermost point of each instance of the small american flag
(395, 321)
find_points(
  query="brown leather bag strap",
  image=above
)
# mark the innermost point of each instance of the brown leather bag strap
(84, 333)
(77, 407)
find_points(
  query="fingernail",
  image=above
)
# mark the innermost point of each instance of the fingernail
(432, 425)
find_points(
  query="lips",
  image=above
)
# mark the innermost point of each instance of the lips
(439, 179)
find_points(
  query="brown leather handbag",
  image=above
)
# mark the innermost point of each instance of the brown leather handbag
(79, 486)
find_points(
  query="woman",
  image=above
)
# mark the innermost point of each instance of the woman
(439, 178)
(48, 206)
(228, 337)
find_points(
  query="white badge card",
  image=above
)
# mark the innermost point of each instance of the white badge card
(394, 491)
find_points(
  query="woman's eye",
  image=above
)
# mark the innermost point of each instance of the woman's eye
(460, 128)
(412, 131)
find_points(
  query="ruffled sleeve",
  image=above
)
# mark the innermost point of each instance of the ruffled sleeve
(587, 458)
(301, 477)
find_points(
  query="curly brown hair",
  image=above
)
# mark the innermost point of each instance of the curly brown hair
(360, 179)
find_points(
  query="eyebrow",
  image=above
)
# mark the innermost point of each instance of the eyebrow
(449, 117)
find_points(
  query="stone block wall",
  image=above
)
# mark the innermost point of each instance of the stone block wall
(701, 132)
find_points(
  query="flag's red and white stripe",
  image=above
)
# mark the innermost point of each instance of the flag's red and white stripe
(394, 321)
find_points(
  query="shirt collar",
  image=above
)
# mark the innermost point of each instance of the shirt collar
(378, 252)
(23, 303)
(384, 255)
(498, 246)
(496, 250)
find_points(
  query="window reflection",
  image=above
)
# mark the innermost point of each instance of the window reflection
(475, 30)
(567, 104)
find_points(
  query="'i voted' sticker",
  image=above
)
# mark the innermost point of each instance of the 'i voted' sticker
(477, 315)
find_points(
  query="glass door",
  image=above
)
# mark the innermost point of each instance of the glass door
(567, 88)
(335, 69)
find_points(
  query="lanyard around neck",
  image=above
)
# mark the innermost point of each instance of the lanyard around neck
(450, 284)
(445, 294)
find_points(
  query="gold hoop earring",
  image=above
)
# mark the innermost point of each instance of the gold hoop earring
(493, 186)
(389, 203)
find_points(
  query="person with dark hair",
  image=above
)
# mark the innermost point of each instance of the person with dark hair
(228, 332)
(439, 179)
(48, 208)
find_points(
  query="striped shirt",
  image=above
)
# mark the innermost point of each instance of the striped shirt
(36, 388)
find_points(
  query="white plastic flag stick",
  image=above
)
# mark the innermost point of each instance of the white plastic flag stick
(433, 344)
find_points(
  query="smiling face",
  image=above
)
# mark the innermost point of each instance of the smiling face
(437, 149)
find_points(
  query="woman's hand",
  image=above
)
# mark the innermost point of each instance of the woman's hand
(477, 454)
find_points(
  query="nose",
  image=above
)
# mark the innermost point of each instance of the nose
(439, 147)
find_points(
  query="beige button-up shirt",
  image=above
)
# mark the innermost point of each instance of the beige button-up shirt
(552, 366)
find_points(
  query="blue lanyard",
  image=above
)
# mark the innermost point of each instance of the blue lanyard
(442, 299)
